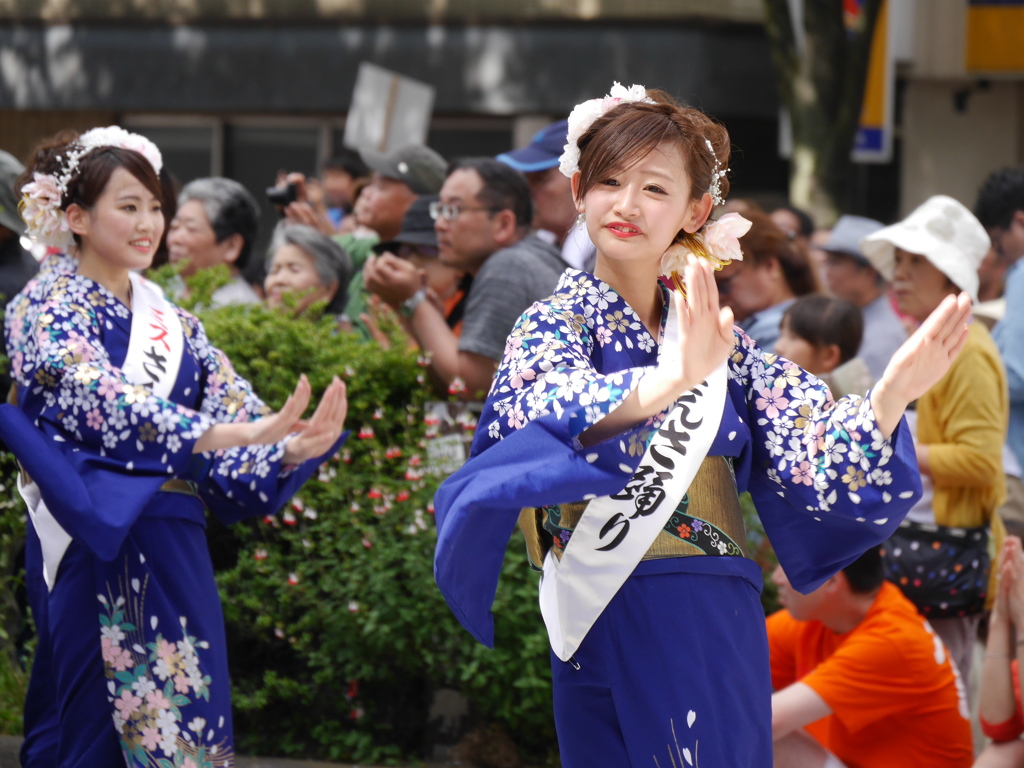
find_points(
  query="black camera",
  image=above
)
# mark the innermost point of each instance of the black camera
(282, 196)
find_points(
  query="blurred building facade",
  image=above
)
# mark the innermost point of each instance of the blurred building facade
(961, 71)
(246, 88)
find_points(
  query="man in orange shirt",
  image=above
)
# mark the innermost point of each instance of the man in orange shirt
(861, 680)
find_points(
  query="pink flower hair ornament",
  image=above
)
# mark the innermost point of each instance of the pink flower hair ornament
(717, 242)
(40, 205)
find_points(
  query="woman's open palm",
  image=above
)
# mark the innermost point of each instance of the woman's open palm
(705, 330)
(323, 428)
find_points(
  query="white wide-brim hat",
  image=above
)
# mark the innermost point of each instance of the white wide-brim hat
(944, 232)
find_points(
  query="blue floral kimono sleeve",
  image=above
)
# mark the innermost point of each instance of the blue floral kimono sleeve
(555, 381)
(826, 483)
(58, 357)
(548, 371)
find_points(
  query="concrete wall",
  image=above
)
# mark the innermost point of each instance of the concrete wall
(945, 151)
(938, 42)
(488, 69)
(178, 11)
(22, 130)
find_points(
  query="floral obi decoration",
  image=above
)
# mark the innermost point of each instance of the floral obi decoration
(707, 521)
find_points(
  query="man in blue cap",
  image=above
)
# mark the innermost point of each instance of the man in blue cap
(554, 213)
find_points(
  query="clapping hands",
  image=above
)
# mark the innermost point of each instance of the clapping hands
(1009, 600)
(317, 435)
(314, 437)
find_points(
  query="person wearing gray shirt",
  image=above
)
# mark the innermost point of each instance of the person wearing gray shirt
(482, 219)
(508, 283)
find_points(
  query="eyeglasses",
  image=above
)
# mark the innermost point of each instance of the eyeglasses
(451, 211)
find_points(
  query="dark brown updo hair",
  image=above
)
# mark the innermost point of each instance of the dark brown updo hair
(628, 132)
(765, 241)
(93, 173)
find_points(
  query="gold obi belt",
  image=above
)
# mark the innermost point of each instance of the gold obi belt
(708, 520)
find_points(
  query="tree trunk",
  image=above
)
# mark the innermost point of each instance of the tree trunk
(820, 77)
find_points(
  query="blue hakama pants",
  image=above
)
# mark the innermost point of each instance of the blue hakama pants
(674, 673)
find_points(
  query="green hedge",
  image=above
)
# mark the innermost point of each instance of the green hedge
(15, 624)
(338, 635)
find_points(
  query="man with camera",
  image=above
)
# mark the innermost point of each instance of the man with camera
(399, 177)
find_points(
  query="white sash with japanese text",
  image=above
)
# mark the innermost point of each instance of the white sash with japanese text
(153, 361)
(157, 340)
(616, 531)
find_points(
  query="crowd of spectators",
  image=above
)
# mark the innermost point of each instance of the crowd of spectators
(874, 668)
(456, 251)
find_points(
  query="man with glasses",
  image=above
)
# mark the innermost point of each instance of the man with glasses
(416, 244)
(482, 219)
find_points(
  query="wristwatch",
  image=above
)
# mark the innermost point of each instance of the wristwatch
(408, 307)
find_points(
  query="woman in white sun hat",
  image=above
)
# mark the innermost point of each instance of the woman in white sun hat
(960, 429)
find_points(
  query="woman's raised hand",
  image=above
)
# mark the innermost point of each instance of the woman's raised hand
(705, 330)
(323, 429)
(921, 361)
(705, 341)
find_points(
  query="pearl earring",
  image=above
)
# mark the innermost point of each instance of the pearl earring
(581, 219)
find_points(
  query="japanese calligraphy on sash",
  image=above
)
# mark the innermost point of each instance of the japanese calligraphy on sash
(153, 361)
(616, 531)
(157, 341)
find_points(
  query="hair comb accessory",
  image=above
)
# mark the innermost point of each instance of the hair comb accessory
(715, 190)
(41, 198)
(583, 116)
(717, 242)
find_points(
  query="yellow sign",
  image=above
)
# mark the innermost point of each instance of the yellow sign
(995, 36)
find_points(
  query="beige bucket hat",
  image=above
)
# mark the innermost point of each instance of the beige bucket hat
(942, 230)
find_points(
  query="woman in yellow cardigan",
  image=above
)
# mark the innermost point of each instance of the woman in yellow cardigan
(961, 421)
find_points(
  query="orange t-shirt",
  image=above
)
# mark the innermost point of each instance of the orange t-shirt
(895, 698)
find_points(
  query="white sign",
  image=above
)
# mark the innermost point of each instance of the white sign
(388, 111)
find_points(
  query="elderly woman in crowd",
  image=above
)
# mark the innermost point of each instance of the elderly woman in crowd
(216, 223)
(305, 263)
(772, 274)
(960, 427)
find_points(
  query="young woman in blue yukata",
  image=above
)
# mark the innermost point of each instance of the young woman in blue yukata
(128, 426)
(622, 423)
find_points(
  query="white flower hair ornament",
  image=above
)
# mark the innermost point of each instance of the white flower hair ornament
(40, 206)
(583, 116)
(717, 242)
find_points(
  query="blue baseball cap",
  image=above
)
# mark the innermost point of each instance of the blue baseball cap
(542, 152)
